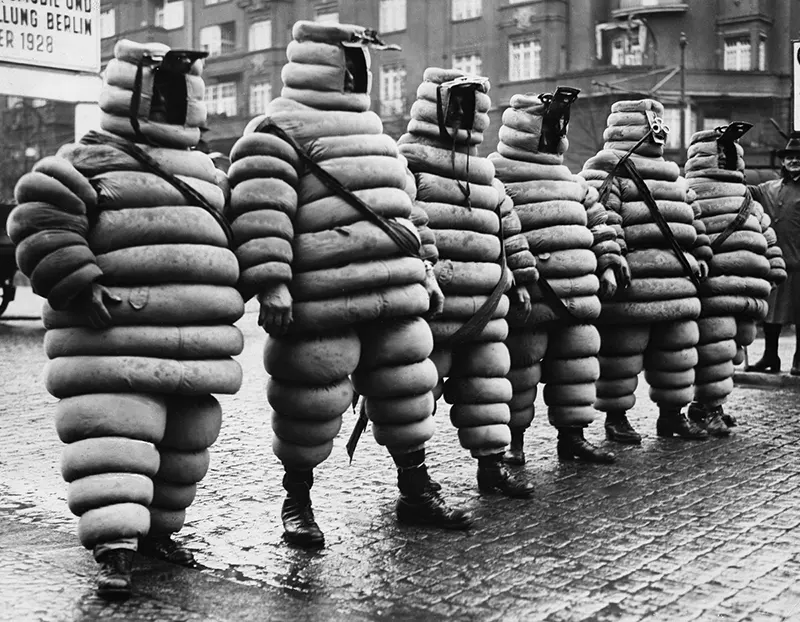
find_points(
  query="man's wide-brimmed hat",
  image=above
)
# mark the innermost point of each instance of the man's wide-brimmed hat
(792, 146)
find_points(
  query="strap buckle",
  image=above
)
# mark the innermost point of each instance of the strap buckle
(732, 132)
(555, 119)
(659, 130)
(369, 37)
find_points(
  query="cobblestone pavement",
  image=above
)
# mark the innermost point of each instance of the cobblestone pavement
(673, 531)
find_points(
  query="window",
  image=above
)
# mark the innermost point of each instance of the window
(468, 63)
(762, 54)
(260, 96)
(393, 88)
(711, 123)
(108, 23)
(13, 101)
(672, 119)
(327, 18)
(217, 40)
(737, 54)
(626, 51)
(524, 60)
(260, 37)
(38, 103)
(169, 15)
(392, 15)
(210, 2)
(465, 9)
(221, 98)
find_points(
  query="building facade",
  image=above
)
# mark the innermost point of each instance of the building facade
(736, 58)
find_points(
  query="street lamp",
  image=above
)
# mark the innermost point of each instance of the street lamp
(683, 42)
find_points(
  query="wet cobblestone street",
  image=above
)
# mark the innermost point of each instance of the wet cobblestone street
(673, 531)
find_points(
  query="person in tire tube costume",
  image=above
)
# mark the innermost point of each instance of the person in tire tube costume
(123, 234)
(652, 324)
(555, 342)
(745, 266)
(320, 215)
(466, 211)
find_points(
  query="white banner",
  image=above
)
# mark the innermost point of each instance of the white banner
(796, 86)
(54, 34)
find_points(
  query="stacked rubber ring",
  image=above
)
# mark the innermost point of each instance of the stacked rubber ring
(135, 408)
(357, 297)
(661, 293)
(130, 92)
(742, 269)
(458, 191)
(554, 208)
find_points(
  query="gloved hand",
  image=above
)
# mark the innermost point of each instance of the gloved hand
(435, 294)
(521, 297)
(622, 272)
(92, 301)
(702, 270)
(608, 284)
(275, 314)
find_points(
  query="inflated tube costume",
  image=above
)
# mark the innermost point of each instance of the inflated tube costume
(652, 324)
(133, 209)
(477, 236)
(565, 227)
(747, 261)
(321, 220)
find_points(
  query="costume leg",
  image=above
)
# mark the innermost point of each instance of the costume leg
(109, 462)
(193, 425)
(527, 348)
(397, 377)
(309, 389)
(621, 360)
(479, 392)
(669, 370)
(716, 351)
(570, 370)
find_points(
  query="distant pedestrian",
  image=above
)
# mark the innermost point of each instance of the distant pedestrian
(781, 201)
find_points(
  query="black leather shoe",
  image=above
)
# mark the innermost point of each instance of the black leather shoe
(299, 526)
(114, 578)
(677, 424)
(620, 430)
(166, 549)
(420, 505)
(767, 365)
(711, 419)
(572, 446)
(494, 476)
(429, 509)
(515, 454)
(715, 424)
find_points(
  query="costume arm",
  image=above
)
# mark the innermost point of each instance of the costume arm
(264, 179)
(50, 228)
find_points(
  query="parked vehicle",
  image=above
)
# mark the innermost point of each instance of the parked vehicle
(8, 262)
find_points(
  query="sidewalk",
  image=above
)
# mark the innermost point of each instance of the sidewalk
(786, 348)
(674, 531)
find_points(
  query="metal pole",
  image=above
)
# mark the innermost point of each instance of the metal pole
(683, 43)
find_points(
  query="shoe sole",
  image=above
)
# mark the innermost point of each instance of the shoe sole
(624, 440)
(685, 438)
(449, 526)
(498, 491)
(113, 594)
(303, 543)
